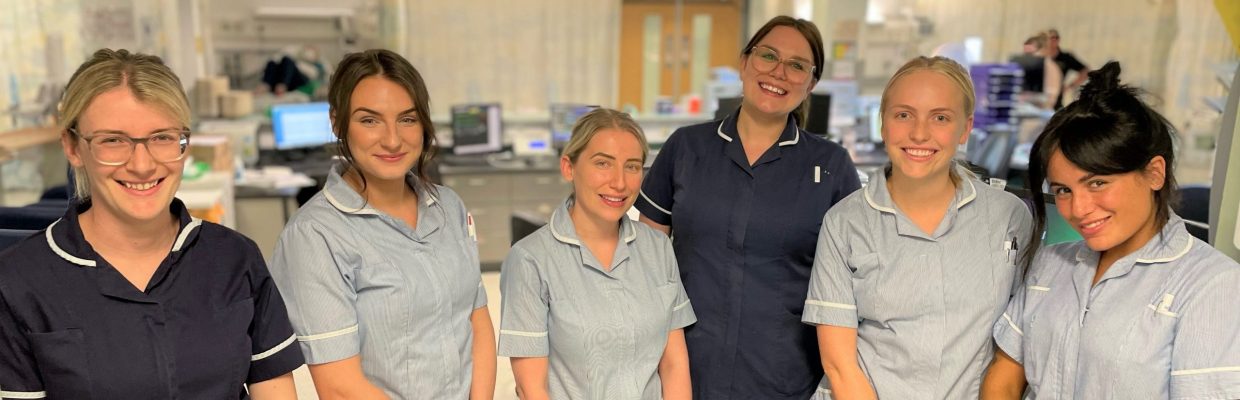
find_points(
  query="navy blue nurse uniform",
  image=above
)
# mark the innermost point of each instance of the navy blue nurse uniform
(72, 327)
(745, 236)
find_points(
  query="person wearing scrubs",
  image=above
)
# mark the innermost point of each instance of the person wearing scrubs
(912, 271)
(743, 199)
(1140, 309)
(128, 296)
(380, 269)
(593, 307)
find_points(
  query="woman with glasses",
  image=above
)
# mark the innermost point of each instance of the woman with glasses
(380, 268)
(743, 199)
(128, 296)
(911, 271)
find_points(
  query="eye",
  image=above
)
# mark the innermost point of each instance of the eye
(1060, 191)
(902, 115)
(165, 138)
(369, 121)
(408, 120)
(1096, 184)
(602, 163)
(633, 167)
(797, 65)
(941, 118)
(768, 56)
(112, 140)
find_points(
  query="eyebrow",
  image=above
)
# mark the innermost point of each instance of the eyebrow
(1083, 179)
(112, 131)
(367, 110)
(611, 157)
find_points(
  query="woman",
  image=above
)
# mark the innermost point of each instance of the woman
(593, 306)
(1137, 310)
(911, 271)
(743, 199)
(380, 269)
(128, 296)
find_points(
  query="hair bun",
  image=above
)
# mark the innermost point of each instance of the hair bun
(1101, 81)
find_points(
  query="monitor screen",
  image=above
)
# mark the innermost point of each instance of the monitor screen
(476, 129)
(818, 119)
(1057, 229)
(563, 116)
(727, 105)
(301, 125)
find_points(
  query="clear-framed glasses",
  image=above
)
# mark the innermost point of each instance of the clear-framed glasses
(765, 59)
(116, 148)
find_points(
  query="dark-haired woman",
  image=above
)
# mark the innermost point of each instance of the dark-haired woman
(744, 198)
(1137, 310)
(380, 270)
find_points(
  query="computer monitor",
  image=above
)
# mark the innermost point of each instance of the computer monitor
(1034, 68)
(563, 116)
(477, 128)
(1057, 229)
(818, 120)
(301, 125)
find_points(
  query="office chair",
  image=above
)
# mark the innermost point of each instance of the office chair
(1194, 207)
(10, 237)
(524, 223)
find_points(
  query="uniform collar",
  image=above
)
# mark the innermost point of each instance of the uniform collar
(790, 136)
(1170, 244)
(563, 230)
(342, 196)
(879, 198)
(65, 236)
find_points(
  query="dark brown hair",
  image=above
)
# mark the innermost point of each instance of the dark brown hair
(811, 34)
(391, 66)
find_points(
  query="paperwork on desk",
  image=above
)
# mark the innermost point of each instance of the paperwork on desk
(274, 177)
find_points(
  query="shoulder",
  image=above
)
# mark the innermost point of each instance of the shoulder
(822, 145)
(1207, 264)
(1053, 258)
(650, 236)
(21, 260)
(998, 199)
(852, 209)
(693, 134)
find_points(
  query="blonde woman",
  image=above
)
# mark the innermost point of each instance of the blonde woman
(593, 305)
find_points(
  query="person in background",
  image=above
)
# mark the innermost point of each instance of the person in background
(743, 199)
(1042, 79)
(380, 269)
(128, 296)
(593, 305)
(913, 270)
(1139, 309)
(1066, 61)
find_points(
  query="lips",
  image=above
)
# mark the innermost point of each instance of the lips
(1092, 228)
(771, 89)
(390, 157)
(613, 201)
(919, 154)
(141, 187)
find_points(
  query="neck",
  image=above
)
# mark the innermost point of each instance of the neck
(105, 231)
(591, 229)
(931, 192)
(763, 128)
(381, 194)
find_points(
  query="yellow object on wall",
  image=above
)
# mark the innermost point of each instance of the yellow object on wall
(1229, 10)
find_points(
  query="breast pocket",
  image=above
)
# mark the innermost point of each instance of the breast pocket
(62, 363)
(1148, 343)
(1004, 273)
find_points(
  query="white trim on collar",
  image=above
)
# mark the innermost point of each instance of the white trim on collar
(1187, 246)
(561, 237)
(720, 130)
(870, 200)
(632, 229)
(340, 206)
(972, 193)
(51, 242)
(193, 223)
(794, 140)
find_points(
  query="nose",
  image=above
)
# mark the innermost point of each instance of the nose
(140, 160)
(391, 137)
(920, 132)
(1082, 205)
(780, 71)
(616, 181)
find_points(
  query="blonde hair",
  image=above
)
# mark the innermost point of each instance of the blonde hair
(943, 65)
(146, 76)
(597, 120)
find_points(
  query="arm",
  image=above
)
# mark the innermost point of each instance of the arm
(674, 368)
(344, 380)
(483, 386)
(667, 230)
(1005, 380)
(838, 349)
(531, 377)
(1052, 81)
(1205, 352)
(278, 388)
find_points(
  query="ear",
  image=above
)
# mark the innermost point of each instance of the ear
(566, 168)
(812, 83)
(968, 131)
(1156, 172)
(70, 145)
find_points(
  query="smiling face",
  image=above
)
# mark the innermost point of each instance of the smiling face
(606, 175)
(141, 189)
(1112, 212)
(923, 123)
(776, 92)
(385, 130)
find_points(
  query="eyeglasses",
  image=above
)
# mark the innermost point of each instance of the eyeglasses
(116, 148)
(766, 59)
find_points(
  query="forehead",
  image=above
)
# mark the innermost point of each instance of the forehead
(1061, 170)
(118, 109)
(380, 92)
(927, 88)
(616, 142)
(788, 41)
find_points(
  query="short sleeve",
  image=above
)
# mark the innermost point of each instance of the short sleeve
(1071, 63)
(655, 199)
(480, 299)
(1205, 354)
(271, 334)
(1009, 329)
(313, 268)
(830, 300)
(682, 310)
(19, 378)
(524, 307)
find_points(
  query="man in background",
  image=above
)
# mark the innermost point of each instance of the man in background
(1066, 62)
